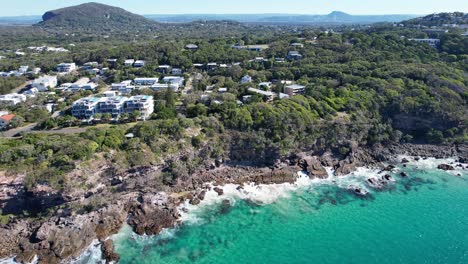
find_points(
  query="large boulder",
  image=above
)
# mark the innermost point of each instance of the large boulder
(314, 167)
(445, 167)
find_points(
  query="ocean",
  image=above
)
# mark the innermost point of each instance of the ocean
(422, 218)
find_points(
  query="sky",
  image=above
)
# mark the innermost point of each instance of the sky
(355, 7)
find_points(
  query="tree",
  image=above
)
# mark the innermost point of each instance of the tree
(169, 97)
(17, 121)
(135, 115)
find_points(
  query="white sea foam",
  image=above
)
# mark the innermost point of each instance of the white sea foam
(12, 261)
(92, 254)
(269, 193)
(432, 163)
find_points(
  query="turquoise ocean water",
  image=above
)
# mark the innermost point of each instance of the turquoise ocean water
(419, 219)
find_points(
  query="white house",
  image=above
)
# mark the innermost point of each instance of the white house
(268, 95)
(129, 62)
(66, 67)
(139, 63)
(12, 99)
(145, 81)
(246, 79)
(45, 82)
(174, 81)
(123, 84)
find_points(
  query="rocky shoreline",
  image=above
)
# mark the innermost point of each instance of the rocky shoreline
(65, 235)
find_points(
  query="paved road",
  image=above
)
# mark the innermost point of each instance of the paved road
(14, 131)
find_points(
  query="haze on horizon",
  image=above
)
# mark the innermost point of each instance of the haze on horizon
(146, 7)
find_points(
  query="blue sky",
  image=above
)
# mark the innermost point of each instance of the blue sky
(38, 7)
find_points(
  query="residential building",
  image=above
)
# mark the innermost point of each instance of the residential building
(23, 69)
(90, 65)
(139, 63)
(431, 42)
(66, 67)
(191, 47)
(145, 81)
(78, 85)
(211, 66)
(246, 79)
(86, 108)
(129, 62)
(297, 45)
(164, 69)
(222, 90)
(294, 55)
(31, 92)
(176, 71)
(90, 86)
(175, 81)
(268, 95)
(112, 62)
(264, 85)
(141, 103)
(5, 120)
(294, 89)
(12, 99)
(45, 82)
(123, 84)
(112, 105)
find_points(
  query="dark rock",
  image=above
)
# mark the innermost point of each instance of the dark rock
(445, 167)
(201, 195)
(389, 168)
(314, 167)
(218, 190)
(344, 167)
(404, 160)
(195, 201)
(108, 251)
(403, 174)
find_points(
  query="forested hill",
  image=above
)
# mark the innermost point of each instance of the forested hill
(95, 17)
(440, 19)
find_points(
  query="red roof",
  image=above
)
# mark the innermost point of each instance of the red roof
(7, 118)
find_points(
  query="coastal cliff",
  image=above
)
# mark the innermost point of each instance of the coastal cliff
(147, 210)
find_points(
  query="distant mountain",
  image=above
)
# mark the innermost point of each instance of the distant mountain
(335, 17)
(94, 17)
(20, 20)
(439, 19)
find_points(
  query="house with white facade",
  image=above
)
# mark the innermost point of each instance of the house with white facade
(141, 103)
(268, 95)
(164, 69)
(145, 81)
(12, 99)
(139, 63)
(129, 62)
(175, 81)
(66, 67)
(45, 82)
(123, 84)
